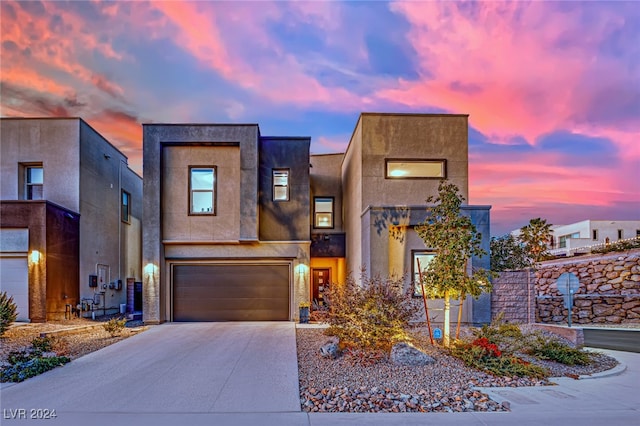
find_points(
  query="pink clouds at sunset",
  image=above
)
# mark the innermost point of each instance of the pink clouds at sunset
(552, 89)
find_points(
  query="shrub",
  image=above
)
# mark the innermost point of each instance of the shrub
(370, 315)
(31, 362)
(508, 337)
(485, 356)
(556, 351)
(115, 326)
(8, 311)
(33, 366)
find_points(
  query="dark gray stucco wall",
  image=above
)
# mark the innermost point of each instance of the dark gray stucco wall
(284, 220)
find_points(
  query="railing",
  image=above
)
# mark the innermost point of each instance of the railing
(571, 251)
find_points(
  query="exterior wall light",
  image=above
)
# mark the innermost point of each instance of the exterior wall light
(35, 256)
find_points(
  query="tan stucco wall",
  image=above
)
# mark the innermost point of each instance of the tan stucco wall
(52, 142)
(412, 137)
(352, 200)
(177, 223)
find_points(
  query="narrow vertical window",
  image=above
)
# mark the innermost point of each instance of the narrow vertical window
(125, 206)
(323, 212)
(620, 234)
(280, 185)
(202, 183)
(421, 260)
(34, 180)
(595, 235)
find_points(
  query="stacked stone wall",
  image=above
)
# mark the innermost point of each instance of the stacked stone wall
(513, 296)
(609, 290)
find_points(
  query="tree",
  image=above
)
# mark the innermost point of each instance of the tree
(455, 240)
(508, 253)
(535, 237)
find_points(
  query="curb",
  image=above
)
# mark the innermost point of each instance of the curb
(615, 371)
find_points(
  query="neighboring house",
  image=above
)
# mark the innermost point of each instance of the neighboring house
(70, 218)
(581, 237)
(240, 226)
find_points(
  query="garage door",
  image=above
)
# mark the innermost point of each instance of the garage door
(231, 292)
(14, 279)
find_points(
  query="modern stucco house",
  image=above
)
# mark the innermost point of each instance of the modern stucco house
(241, 226)
(581, 237)
(70, 218)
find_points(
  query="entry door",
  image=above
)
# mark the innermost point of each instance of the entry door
(321, 280)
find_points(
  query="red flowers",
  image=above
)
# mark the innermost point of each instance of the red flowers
(489, 348)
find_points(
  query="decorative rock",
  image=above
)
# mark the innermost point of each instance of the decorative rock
(405, 354)
(329, 349)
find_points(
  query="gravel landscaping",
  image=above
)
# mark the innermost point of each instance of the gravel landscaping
(353, 384)
(72, 338)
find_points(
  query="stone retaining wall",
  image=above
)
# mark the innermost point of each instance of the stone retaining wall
(609, 290)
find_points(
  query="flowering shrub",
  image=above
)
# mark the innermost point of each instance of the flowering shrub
(489, 349)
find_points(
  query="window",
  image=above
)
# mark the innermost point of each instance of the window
(323, 212)
(595, 235)
(33, 182)
(620, 234)
(416, 169)
(637, 233)
(125, 206)
(280, 185)
(421, 260)
(202, 183)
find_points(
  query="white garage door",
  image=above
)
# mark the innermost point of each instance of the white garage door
(14, 279)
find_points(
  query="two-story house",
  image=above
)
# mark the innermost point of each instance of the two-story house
(239, 226)
(70, 219)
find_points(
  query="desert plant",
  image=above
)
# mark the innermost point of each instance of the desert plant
(115, 326)
(42, 344)
(372, 314)
(557, 351)
(483, 355)
(8, 311)
(32, 366)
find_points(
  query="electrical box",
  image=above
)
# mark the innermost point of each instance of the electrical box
(93, 281)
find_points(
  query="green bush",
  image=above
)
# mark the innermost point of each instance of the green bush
(21, 371)
(8, 311)
(556, 351)
(42, 344)
(30, 362)
(482, 357)
(373, 314)
(507, 336)
(115, 326)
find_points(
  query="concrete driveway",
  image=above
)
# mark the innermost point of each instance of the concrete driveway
(169, 371)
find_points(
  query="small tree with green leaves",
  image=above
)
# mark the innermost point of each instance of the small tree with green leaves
(535, 236)
(456, 240)
(508, 253)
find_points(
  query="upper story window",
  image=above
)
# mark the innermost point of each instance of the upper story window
(323, 212)
(202, 190)
(125, 207)
(620, 234)
(280, 185)
(416, 169)
(595, 235)
(34, 179)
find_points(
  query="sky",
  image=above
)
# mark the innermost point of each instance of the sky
(552, 89)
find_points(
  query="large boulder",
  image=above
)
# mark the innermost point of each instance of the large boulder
(330, 349)
(406, 354)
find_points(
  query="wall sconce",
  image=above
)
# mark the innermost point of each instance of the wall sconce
(35, 256)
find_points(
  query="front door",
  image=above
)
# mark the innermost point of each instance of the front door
(321, 280)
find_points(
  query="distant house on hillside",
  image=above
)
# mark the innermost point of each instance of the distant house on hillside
(582, 237)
